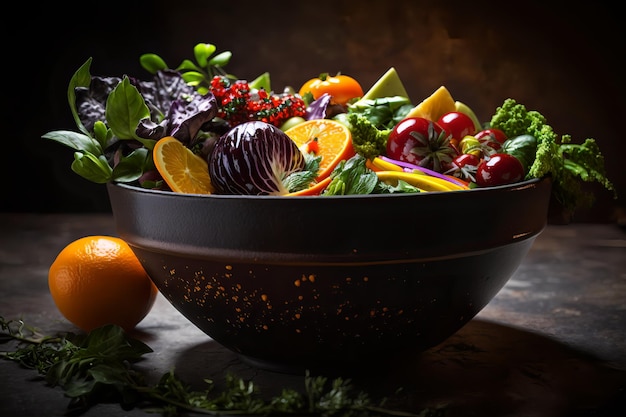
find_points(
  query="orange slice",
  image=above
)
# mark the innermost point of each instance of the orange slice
(434, 106)
(327, 138)
(182, 170)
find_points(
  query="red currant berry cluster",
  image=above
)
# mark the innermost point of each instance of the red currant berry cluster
(238, 104)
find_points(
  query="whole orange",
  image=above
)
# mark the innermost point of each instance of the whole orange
(98, 280)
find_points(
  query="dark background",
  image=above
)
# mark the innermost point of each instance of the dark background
(564, 61)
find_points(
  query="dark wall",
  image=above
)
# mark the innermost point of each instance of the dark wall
(564, 62)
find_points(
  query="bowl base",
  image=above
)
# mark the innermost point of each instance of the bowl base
(329, 369)
(372, 364)
(265, 365)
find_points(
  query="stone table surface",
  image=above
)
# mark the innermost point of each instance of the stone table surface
(551, 343)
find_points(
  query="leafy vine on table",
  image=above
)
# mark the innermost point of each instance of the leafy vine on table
(97, 367)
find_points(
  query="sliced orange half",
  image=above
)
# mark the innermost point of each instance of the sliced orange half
(327, 138)
(182, 170)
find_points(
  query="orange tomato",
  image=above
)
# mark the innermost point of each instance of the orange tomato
(341, 88)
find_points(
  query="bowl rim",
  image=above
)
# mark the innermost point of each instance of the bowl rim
(233, 222)
(506, 187)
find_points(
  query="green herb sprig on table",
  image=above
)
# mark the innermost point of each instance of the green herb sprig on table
(97, 368)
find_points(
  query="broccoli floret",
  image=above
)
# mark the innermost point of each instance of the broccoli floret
(368, 140)
(568, 164)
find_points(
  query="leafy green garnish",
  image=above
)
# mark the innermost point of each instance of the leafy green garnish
(124, 111)
(300, 180)
(384, 112)
(352, 176)
(97, 368)
(569, 164)
(196, 74)
(371, 122)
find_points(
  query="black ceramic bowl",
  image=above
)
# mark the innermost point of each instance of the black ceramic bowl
(293, 283)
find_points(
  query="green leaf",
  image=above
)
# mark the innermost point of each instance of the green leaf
(202, 52)
(262, 82)
(523, 148)
(352, 177)
(81, 78)
(125, 108)
(77, 387)
(188, 65)
(91, 167)
(401, 187)
(148, 143)
(130, 168)
(194, 83)
(152, 63)
(75, 140)
(102, 133)
(193, 77)
(115, 341)
(97, 368)
(365, 184)
(152, 184)
(221, 59)
(300, 180)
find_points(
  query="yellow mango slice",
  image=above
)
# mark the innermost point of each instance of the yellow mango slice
(434, 106)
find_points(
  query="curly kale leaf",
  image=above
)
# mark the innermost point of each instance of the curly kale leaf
(569, 164)
(585, 159)
(514, 120)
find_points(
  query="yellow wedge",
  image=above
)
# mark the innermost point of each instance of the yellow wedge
(419, 180)
(464, 108)
(434, 106)
(382, 165)
(388, 85)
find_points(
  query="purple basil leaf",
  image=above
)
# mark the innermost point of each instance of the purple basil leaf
(91, 102)
(176, 108)
(166, 87)
(148, 129)
(317, 108)
(186, 118)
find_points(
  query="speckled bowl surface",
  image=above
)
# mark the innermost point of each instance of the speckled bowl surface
(293, 283)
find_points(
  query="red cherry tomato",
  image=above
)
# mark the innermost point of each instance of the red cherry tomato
(492, 137)
(422, 142)
(464, 166)
(341, 88)
(457, 124)
(499, 169)
(466, 159)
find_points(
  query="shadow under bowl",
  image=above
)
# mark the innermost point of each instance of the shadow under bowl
(295, 283)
